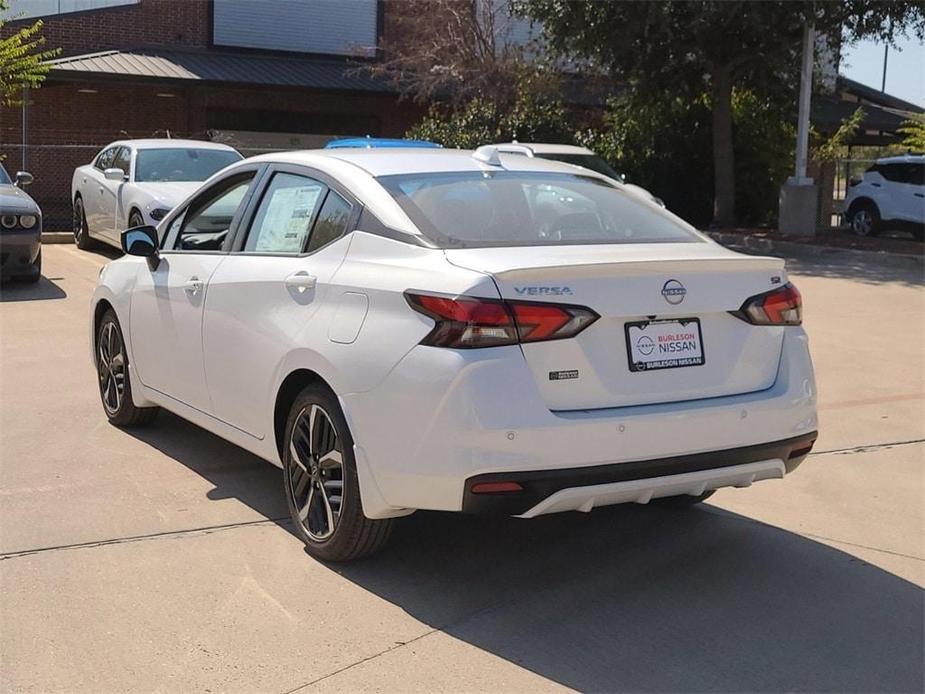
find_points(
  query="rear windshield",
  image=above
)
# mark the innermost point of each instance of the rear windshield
(516, 208)
(588, 161)
(176, 164)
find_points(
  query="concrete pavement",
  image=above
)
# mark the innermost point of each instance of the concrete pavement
(161, 560)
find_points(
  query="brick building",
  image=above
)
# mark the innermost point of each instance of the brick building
(258, 75)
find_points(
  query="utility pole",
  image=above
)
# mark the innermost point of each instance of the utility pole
(23, 163)
(886, 54)
(806, 92)
(799, 198)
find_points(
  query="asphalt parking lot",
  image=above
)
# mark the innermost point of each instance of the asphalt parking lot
(161, 559)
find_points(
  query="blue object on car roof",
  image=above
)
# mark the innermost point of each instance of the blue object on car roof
(377, 142)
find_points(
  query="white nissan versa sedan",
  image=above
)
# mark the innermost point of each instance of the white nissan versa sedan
(458, 331)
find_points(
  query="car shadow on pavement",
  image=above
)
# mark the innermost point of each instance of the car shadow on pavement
(630, 598)
(15, 290)
(649, 599)
(235, 473)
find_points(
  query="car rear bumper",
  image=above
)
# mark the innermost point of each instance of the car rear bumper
(18, 251)
(581, 489)
(442, 418)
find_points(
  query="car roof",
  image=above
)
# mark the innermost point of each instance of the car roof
(395, 160)
(371, 142)
(548, 148)
(903, 159)
(166, 142)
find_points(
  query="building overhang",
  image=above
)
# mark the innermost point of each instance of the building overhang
(217, 67)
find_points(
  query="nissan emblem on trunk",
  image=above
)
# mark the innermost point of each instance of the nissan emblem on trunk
(674, 292)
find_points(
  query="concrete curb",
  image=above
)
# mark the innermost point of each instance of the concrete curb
(788, 249)
(57, 237)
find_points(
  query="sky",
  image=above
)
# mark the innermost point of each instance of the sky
(905, 70)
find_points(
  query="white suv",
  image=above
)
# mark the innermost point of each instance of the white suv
(890, 194)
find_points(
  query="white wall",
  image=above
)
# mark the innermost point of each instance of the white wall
(336, 27)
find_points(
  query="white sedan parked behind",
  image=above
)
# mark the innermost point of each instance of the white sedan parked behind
(456, 331)
(137, 182)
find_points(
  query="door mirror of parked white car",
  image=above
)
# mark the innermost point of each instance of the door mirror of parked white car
(141, 241)
(114, 174)
(23, 178)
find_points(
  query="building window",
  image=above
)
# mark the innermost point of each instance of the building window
(329, 27)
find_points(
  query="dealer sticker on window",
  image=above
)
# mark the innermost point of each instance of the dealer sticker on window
(666, 344)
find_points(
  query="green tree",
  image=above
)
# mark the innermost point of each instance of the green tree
(683, 49)
(480, 121)
(913, 131)
(22, 60)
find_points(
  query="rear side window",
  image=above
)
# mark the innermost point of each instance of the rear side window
(514, 208)
(332, 221)
(893, 172)
(285, 215)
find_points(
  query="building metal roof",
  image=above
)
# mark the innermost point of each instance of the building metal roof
(218, 66)
(875, 96)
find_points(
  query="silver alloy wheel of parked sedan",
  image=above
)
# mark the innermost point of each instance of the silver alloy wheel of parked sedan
(111, 368)
(315, 472)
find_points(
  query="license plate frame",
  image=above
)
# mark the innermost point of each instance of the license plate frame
(642, 366)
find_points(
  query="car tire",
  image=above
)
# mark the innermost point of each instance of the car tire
(36, 273)
(113, 377)
(135, 220)
(864, 219)
(81, 232)
(683, 500)
(318, 462)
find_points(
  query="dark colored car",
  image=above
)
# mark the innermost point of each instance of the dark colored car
(20, 229)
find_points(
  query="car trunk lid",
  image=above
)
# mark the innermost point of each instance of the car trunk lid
(650, 297)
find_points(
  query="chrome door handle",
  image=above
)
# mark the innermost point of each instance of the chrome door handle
(301, 281)
(193, 286)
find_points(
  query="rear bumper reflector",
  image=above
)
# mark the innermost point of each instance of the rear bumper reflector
(495, 487)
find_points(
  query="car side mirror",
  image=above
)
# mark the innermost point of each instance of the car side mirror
(140, 241)
(114, 174)
(24, 178)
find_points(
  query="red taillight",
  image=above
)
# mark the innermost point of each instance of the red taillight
(465, 322)
(496, 487)
(537, 322)
(782, 306)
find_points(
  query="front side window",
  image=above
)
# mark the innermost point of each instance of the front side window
(205, 224)
(285, 215)
(917, 174)
(517, 208)
(181, 163)
(4, 176)
(121, 160)
(104, 161)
